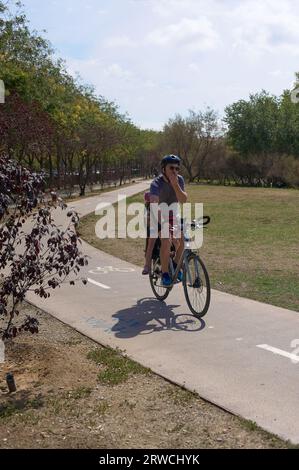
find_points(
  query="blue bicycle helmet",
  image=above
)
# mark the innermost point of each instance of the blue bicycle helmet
(170, 159)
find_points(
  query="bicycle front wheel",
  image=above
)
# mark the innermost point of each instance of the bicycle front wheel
(197, 286)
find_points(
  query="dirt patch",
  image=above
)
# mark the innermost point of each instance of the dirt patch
(72, 393)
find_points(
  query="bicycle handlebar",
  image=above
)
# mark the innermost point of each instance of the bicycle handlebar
(202, 222)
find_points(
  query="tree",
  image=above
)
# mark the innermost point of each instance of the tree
(26, 131)
(193, 139)
(263, 133)
(35, 254)
(79, 133)
(252, 125)
(288, 126)
(150, 150)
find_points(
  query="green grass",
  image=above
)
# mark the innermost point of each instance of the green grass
(180, 396)
(80, 392)
(102, 408)
(254, 427)
(250, 248)
(13, 407)
(7, 410)
(117, 368)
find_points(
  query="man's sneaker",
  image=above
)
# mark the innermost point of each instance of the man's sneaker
(166, 280)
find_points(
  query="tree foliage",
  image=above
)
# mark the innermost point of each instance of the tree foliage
(35, 254)
(79, 132)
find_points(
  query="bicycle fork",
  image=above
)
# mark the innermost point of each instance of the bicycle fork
(183, 262)
(192, 282)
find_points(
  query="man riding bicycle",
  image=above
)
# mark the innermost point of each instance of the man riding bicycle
(169, 188)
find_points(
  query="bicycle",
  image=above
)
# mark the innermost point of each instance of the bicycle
(196, 280)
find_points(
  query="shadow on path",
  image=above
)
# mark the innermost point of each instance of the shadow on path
(151, 316)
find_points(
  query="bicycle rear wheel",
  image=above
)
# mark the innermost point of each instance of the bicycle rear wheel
(197, 286)
(161, 292)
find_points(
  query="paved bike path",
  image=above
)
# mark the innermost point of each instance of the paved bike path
(238, 357)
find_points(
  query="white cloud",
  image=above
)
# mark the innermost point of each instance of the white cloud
(85, 67)
(99, 71)
(168, 8)
(275, 73)
(253, 27)
(194, 67)
(116, 71)
(150, 84)
(270, 26)
(195, 34)
(119, 41)
(148, 55)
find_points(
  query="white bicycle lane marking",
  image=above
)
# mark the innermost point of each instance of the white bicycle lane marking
(103, 286)
(107, 270)
(278, 351)
(110, 269)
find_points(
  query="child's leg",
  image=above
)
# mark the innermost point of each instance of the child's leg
(148, 256)
(149, 251)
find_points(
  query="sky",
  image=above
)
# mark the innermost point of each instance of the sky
(157, 58)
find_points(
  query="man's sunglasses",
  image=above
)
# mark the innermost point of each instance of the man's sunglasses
(176, 168)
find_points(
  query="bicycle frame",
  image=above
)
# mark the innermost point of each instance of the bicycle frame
(195, 278)
(183, 262)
